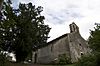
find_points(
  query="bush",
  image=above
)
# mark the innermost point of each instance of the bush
(90, 60)
(63, 59)
(3, 60)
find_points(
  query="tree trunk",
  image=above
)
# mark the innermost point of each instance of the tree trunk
(1, 1)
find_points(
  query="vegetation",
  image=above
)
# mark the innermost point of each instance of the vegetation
(21, 64)
(89, 60)
(63, 59)
(94, 43)
(22, 30)
(94, 39)
(3, 60)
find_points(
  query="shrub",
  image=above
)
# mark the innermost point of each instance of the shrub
(63, 59)
(3, 60)
(89, 60)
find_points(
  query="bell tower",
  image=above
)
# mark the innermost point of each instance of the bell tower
(73, 28)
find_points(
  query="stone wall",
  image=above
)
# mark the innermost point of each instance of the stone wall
(78, 46)
(51, 52)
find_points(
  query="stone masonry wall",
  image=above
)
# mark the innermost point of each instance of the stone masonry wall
(51, 52)
(78, 46)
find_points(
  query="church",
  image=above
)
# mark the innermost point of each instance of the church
(71, 44)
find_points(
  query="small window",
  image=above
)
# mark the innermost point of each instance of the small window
(81, 53)
(80, 44)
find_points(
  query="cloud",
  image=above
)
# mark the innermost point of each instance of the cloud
(60, 13)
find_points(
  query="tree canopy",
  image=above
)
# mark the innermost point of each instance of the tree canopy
(1, 1)
(94, 39)
(22, 30)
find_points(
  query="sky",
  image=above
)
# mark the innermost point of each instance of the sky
(60, 13)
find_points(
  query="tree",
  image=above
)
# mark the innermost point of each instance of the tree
(94, 39)
(22, 30)
(94, 42)
(1, 1)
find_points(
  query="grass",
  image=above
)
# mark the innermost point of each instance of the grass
(20, 64)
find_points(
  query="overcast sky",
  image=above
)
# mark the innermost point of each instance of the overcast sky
(60, 13)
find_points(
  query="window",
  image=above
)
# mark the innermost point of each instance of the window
(81, 53)
(80, 44)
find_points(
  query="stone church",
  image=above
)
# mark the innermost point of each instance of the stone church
(71, 44)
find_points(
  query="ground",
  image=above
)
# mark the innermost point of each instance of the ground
(17, 64)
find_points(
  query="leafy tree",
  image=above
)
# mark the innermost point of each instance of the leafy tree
(1, 1)
(94, 39)
(22, 30)
(94, 42)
